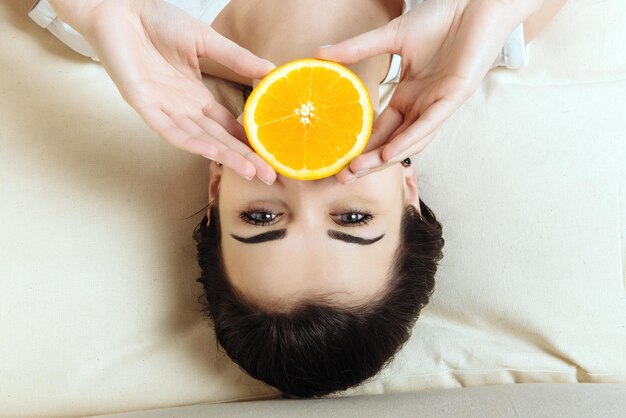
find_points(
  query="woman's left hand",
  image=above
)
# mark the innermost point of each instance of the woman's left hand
(447, 48)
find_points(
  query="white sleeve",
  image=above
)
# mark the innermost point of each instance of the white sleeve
(45, 16)
(514, 54)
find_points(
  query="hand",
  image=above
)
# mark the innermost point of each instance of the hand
(447, 47)
(151, 50)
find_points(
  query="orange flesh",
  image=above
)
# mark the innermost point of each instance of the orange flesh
(330, 118)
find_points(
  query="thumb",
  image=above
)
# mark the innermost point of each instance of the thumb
(210, 44)
(375, 42)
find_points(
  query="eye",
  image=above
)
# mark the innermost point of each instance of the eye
(353, 218)
(260, 217)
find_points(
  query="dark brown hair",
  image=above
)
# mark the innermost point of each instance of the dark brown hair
(317, 348)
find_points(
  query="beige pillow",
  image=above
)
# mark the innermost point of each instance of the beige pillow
(99, 307)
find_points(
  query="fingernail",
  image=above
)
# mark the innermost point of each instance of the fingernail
(360, 173)
(265, 180)
(351, 180)
(324, 46)
(395, 159)
(270, 63)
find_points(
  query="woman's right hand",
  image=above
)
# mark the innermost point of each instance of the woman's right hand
(151, 50)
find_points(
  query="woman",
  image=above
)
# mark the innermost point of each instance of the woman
(313, 286)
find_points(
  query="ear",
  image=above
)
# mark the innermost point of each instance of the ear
(411, 194)
(215, 177)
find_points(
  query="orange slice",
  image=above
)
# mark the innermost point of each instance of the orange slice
(309, 118)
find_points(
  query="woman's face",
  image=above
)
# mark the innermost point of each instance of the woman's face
(297, 240)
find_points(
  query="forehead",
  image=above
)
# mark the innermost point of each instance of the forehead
(384, 186)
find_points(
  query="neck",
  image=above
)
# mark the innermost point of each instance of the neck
(300, 27)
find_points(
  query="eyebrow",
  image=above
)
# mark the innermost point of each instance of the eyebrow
(341, 236)
(264, 237)
(281, 233)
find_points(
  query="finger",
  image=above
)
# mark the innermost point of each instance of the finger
(231, 159)
(198, 141)
(345, 176)
(172, 133)
(210, 44)
(214, 110)
(367, 161)
(413, 151)
(375, 42)
(211, 131)
(262, 169)
(418, 147)
(385, 125)
(388, 121)
(427, 123)
(373, 170)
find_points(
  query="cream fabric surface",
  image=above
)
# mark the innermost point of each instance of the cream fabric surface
(534, 400)
(98, 308)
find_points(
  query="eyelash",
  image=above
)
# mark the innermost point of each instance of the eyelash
(246, 217)
(367, 217)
